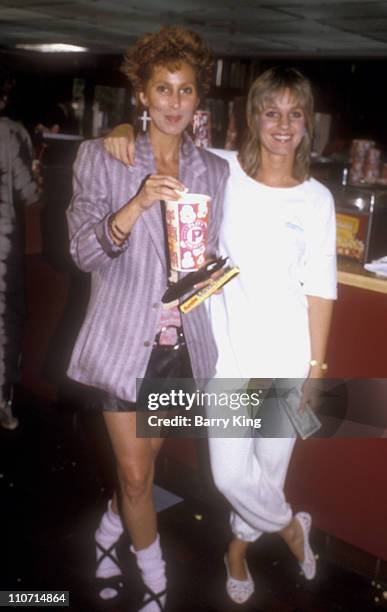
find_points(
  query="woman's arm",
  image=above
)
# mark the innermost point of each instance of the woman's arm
(320, 270)
(320, 316)
(91, 245)
(97, 232)
(319, 286)
(154, 188)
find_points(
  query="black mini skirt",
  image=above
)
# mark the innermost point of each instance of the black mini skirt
(166, 363)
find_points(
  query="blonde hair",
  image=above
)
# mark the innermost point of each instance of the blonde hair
(265, 88)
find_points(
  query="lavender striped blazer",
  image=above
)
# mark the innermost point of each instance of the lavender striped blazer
(115, 341)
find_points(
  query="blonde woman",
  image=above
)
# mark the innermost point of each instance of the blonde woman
(273, 320)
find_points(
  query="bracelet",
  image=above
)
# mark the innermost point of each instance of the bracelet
(319, 364)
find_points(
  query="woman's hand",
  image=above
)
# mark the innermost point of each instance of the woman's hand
(311, 389)
(120, 143)
(157, 187)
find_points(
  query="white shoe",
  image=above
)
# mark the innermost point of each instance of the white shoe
(7, 419)
(239, 590)
(308, 565)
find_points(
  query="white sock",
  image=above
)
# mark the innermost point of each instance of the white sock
(152, 567)
(107, 534)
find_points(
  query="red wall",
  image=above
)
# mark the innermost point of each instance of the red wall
(343, 482)
(358, 341)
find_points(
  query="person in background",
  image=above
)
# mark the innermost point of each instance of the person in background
(17, 189)
(117, 234)
(273, 320)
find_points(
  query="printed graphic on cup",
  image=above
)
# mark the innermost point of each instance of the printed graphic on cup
(202, 129)
(187, 223)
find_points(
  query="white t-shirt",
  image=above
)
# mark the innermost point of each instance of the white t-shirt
(283, 240)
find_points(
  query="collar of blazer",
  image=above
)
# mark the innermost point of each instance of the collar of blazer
(192, 169)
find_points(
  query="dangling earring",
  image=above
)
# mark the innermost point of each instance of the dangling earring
(144, 118)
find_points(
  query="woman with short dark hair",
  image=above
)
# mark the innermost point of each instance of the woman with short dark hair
(116, 234)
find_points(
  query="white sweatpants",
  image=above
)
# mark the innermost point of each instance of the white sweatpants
(251, 472)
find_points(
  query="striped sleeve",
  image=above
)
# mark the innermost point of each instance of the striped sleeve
(90, 244)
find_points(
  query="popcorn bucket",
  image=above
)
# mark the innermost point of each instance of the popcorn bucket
(187, 229)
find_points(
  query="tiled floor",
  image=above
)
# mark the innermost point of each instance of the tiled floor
(55, 477)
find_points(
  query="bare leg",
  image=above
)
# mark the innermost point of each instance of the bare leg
(135, 464)
(156, 444)
(236, 554)
(294, 538)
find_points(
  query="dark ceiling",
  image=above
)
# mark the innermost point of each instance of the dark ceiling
(338, 28)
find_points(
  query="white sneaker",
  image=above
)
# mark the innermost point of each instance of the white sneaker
(7, 419)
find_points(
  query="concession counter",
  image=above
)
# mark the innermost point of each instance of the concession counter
(361, 216)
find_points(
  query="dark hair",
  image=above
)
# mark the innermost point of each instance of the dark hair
(264, 89)
(168, 47)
